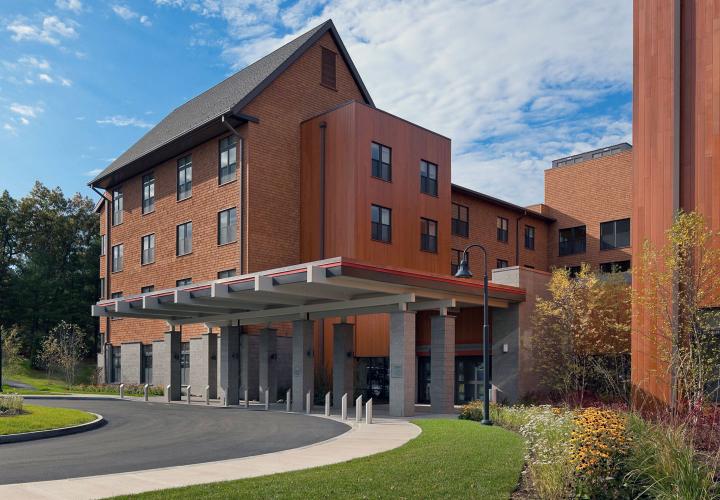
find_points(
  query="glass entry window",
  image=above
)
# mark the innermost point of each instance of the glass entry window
(147, 364)
(423, 396)
(185, 363)
(116, 375)
(468, 379)
(372, 379)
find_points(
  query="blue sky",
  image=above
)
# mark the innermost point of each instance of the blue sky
(514, 84)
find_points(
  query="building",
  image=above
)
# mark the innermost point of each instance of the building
(280, 232)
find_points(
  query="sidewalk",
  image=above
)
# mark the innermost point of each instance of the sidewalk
(360, 441)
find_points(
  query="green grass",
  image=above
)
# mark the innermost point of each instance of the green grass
(44, 384)
(450, 459)
(39, 418)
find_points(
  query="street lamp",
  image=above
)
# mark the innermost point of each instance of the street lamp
(463, 271)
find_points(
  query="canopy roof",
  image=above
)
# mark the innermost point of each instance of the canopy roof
(327, 288)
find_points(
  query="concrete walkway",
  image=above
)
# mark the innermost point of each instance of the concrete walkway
(361, 441)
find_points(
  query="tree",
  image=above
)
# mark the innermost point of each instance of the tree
(581, 334)
(11, 345)
(678, 295)
(66, 347)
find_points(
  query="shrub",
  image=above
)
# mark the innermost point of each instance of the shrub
(11, 404)
(130, 389)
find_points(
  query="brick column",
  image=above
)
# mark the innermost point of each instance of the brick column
(442, 363)
(171, 364)
(228, 358)
(303, 363)
(267, 358)
(343, 362)
(403, 379)
(130, 362)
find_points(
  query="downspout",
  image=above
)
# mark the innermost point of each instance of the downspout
(517, 237)
(106, 292)
(241, 186)
(323, 146)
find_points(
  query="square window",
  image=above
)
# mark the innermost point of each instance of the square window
(381, 161)
(615, 234)
(147, 289)
(572, 240)
(184, 239)
(428, 178)
(460, 220)
(148, 249)
(227, 226)
(428, 235)
(381, 218)
(183, 282)
(501, 263)
(502, 229)
(229, 273)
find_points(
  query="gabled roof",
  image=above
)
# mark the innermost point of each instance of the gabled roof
(227, 98)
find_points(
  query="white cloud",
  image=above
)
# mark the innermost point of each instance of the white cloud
(128, 14)
(124, 121)
(145, 21)
(10, 128)
(24, 120)
(26, 110)
(45, 78)
(51, 30)
(73, 5)
(34, 62)
(65, 82)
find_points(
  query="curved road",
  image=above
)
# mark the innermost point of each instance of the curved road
(142, 435)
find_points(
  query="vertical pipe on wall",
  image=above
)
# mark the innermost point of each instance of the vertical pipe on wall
(321, 323)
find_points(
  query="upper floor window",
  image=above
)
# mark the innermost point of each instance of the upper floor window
(620, 266)
(615, 234)
(103, 244)
(428, 235)
(502, 229)
(183, 282)
(328, 73)
(456, 258)
(116, 295)
(381, 161)
(147, 289)
(148, 194)
(572, 240)
(184, 177)
(102, 288)
(227, 226)
(501, 263)
(228, 273)
(183, 244)
(148, 249)
(573, 270)
(228, 159)
(381, 223)
(428, 178)
(117, 258)
(530, 237)
(117, 212)
(460, 220)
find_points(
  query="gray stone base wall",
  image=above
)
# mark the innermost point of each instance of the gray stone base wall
(131, 362)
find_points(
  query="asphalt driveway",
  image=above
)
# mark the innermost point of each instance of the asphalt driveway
(142, 435)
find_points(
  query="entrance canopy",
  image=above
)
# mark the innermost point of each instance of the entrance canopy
(334, 287)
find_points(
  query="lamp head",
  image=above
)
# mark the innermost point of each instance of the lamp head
(463, 270)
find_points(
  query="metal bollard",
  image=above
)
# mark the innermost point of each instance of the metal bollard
(343, 411)
(122, 391)
(308, 403)
(188, 394)
(288, 394)
(358, 408)
(207, 394)
(327, 404)
(146, 391)
(167, 393)
(247, 399)
(267, 399)
(368, 412)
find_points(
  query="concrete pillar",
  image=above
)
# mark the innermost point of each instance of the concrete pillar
(343, 362)
(267, 360)
(228, 357)
(402, 364)
(442, 363)
(249, 365)
(171, 363)
(303, 363)
(203, 361)
(131, 362)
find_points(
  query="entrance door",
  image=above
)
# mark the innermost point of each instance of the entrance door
(185, 363)
(423, 396)
(468, 379)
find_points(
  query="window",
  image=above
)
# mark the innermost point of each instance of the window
(117, 212)
(530, 237)
(502, 229)
(228, 159)
(428, 178)
(103, 244)
(460, 220)
(183, 282)
(615, 234)
(116, 375)
(381, 161)
(147, 358)
(148, 249)
(147, 289)
(227, 222)
(573, 270)
(184, 239)
(327, 77)
(116, 295)
(184, 363)
(229, 273)
(184, 178)
(501, 263)
(572, 240)
(620, 266)
(381, 223)
(117, 258)
(102, 288)
(148, 194)
(456, 256)
(428, 235)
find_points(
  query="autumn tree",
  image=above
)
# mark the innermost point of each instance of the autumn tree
(65, 347)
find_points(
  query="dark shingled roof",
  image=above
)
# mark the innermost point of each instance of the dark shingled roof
(230, 95)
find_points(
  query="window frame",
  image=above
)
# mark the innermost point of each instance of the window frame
(614, 245)
(103, 245)
(231, 176)
(380, 225)
(226, 273)
(428, 241)
(573, 242)
(177, 239)
(530, 237)
(148, 237)
(118, 206)
(148, 183)
(147, 289)
(183, 282)
(428, 180)
(227, 227)
(501, 264)
(456, 223)
(328, 57)
(184, 165)
(380, 161)
(457, 255)
(503, 233)
(119, 258)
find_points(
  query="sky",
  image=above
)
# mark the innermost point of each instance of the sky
(514, 84)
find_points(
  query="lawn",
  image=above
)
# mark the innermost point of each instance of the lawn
(42, 383)
(450, 459)
(39, 418)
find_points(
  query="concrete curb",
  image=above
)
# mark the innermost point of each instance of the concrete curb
(50, 433)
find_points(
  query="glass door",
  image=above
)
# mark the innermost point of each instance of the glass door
(423, 396)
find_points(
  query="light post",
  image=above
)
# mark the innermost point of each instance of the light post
(463, 271)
